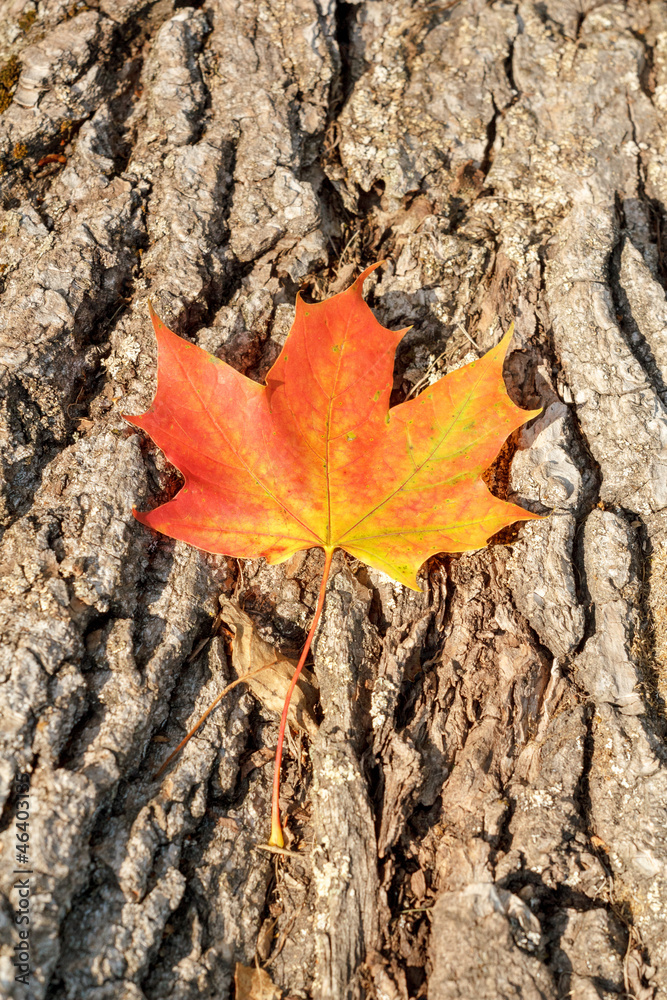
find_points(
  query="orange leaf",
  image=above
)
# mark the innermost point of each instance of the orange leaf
(316, 456)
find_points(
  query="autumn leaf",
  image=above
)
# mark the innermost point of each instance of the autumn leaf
(317, 457)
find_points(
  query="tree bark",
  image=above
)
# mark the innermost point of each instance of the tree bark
(482, 810)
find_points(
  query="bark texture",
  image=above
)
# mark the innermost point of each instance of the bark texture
(482, 812)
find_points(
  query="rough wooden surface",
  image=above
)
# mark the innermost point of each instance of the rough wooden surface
(483, 811)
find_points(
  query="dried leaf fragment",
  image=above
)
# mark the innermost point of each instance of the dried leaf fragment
(250, 651)
(253, 983)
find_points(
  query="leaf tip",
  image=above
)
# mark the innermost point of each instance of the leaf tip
(158, 325)
(523, 514)
(366, 272)
(506, 339)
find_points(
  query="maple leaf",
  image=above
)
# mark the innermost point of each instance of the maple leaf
(317, 457)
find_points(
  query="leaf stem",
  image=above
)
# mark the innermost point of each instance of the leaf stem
(276, 838)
